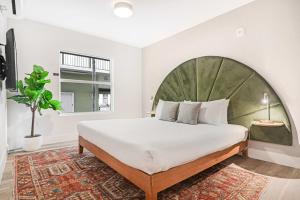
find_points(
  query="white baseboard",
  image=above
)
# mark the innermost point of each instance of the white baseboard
(3, 158)
(274, 157)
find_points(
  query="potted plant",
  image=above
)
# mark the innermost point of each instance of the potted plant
(33, 94)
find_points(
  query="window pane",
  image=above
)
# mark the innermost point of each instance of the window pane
(102, 77)
(83, 97)
(78, 97)
(76, 75)
(104, 98)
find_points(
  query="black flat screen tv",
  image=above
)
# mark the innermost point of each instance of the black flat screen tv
(11, 61)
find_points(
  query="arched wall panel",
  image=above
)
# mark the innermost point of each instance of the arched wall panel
(213, 77)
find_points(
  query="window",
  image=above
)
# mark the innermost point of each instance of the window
(85, 83)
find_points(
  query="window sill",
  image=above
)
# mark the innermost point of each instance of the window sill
(61, 114)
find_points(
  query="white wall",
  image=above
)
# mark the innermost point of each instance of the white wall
(3, 129)
(271, 46)
(40, 44)
(3, 114)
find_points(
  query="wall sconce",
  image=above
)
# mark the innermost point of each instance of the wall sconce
(151, 99)
(266, 101)
(151, 113)
(151, 102)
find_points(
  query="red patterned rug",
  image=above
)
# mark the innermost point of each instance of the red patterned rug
(64, 174)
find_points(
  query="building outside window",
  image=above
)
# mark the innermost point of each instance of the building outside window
(85, 83)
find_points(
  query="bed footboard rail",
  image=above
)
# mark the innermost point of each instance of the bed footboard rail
(152, 184)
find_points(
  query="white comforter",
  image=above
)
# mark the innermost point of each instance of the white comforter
(153, 145)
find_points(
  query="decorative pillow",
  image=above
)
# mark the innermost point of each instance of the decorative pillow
(168, 111)
(188, 112)
(158, 109)
(214, 112)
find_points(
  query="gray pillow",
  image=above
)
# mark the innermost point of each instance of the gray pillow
(169, 111)
(188, 113)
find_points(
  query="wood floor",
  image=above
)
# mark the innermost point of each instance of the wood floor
(265, 168)
(261, 167)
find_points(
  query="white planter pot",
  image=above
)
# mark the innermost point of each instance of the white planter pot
(33, 143)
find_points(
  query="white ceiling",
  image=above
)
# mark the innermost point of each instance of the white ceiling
(153, 20)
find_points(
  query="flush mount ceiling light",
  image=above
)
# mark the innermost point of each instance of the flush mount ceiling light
(123, 9)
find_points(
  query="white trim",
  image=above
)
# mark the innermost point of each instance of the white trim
(112, 86)
(3, 160)
(83, 69)
(83, 81)
(274, 157)
(62, 114)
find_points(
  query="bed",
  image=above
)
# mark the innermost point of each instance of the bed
(153, 145)
(155, 154)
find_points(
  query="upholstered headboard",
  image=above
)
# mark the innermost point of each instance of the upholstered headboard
(212, 77)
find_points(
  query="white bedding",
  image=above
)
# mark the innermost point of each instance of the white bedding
(153, 145)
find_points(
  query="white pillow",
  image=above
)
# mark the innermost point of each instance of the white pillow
(214, 112)
(188, 113)
(169, 111)
(158, 109)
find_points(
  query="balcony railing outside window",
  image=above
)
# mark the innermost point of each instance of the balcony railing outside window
(86, 62)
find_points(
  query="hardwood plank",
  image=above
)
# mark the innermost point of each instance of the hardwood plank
(295, 174)
(250, 164)
(272, 169)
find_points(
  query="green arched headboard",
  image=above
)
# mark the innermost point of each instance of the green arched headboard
(212, 77)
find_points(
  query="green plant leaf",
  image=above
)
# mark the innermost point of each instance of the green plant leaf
(30, 93)
(47, 95)
(43, 81)
(56, 105)
(21, 87)
(43, 105)
(28, 81)
(21, 99)
(37, 69)
(44, 74)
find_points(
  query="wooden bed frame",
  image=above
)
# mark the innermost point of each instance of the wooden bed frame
(152, 184)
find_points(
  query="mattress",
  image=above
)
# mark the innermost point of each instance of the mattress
(152, 145)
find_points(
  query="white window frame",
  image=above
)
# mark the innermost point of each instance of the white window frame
(112, 107)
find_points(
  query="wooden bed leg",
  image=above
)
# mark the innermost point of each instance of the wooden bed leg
(150, 193)
(151, 196)
(80, 149)
(245, 153)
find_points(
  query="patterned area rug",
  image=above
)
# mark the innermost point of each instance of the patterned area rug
(64, 174)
